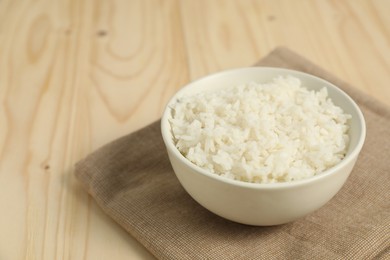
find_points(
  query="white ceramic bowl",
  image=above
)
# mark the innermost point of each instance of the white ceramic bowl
(263, 204)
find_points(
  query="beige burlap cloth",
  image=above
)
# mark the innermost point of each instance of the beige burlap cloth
(132, 181)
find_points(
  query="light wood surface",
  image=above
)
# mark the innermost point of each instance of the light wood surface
(75, 75)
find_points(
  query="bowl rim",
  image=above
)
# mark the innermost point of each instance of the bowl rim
(167, 137)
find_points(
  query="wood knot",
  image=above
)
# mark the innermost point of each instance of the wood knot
(271, 18)
(101, 33)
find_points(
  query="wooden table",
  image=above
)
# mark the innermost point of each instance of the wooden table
(75, 75)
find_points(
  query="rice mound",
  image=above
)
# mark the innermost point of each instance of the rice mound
(277, 131)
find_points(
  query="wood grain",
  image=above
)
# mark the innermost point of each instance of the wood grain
(343, 36)
(76, 74)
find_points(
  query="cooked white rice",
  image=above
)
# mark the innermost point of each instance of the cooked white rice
(262, 133)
